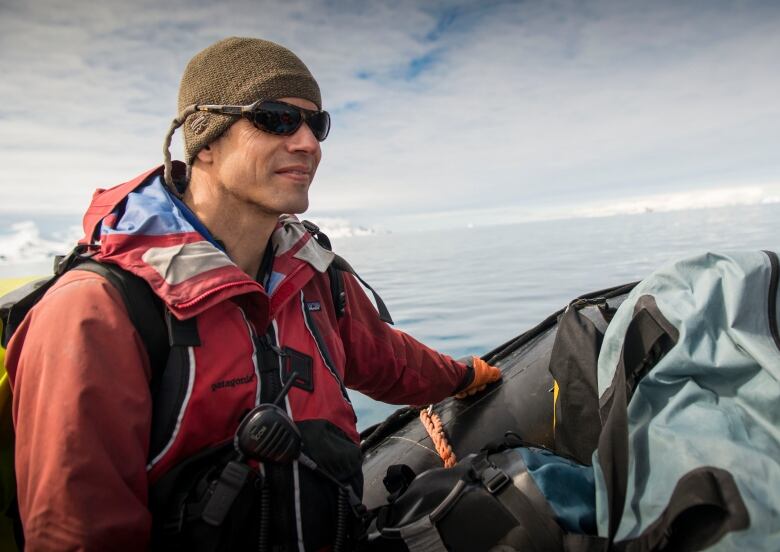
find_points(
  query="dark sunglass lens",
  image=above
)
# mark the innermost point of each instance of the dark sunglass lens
(277, 118)
(319, 123)
(281, 118)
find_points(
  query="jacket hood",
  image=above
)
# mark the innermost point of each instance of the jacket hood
(140, 227)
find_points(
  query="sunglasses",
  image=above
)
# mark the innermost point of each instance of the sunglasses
(276, 117)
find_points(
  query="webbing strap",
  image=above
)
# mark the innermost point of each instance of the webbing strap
(522, 498)
(542, 528)
(143, 309)
(648, 337)
(336, 287)
(384, 314)
(181, 333)
(337, 291)
(422, 536)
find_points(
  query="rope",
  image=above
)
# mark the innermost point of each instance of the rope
(432, 423)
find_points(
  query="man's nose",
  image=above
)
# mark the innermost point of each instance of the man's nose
(303, 140)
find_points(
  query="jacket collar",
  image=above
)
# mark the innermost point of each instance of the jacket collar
(139, 226)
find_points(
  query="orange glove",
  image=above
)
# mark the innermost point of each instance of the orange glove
(484, 373)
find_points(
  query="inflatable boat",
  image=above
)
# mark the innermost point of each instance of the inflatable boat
(522, 402)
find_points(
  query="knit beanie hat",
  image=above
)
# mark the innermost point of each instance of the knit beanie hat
(235, 71)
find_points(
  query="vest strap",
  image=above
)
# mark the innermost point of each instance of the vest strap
(422, 536)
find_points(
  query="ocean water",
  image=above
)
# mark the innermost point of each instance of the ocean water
(467, 290)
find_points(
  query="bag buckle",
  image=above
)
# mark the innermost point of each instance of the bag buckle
(494, 479)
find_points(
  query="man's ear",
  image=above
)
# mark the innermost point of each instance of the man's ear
(205, 155)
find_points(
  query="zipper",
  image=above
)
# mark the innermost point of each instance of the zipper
(324, 353)
(774, 263)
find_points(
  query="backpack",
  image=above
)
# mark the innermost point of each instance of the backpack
(666, 430)
(508, 496)
(146, 314)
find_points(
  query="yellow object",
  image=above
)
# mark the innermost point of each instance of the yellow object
(10, 284)
(6, 285)
(7, 483)
(555, 401)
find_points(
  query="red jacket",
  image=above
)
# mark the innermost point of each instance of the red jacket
(80, 373)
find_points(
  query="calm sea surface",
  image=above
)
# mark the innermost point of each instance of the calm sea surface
(466, 291)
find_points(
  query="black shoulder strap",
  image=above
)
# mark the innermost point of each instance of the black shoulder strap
(161, 333)
(337, 290)
(341, 264)
(143, 307)
(335, 268)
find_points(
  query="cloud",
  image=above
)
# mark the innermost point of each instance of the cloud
(438, 106)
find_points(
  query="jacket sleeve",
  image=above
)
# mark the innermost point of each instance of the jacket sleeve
(82, 415)
(388, 365)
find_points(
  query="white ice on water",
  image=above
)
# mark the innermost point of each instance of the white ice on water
(25, 244)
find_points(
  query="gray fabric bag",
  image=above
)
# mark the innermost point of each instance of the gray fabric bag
(689, 399)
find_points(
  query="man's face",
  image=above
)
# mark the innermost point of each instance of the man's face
(266, 170)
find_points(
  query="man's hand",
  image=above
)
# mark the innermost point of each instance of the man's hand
(484, 373)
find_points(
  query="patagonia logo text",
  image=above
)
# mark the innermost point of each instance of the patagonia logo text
(233, 382)
(313, 306)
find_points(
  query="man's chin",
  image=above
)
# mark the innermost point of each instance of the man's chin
(299, 208)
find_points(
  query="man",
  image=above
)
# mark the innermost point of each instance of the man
(102, 462)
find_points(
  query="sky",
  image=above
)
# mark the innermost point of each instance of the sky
(444, 113)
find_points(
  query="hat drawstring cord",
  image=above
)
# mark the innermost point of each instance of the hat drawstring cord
(168, 174)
